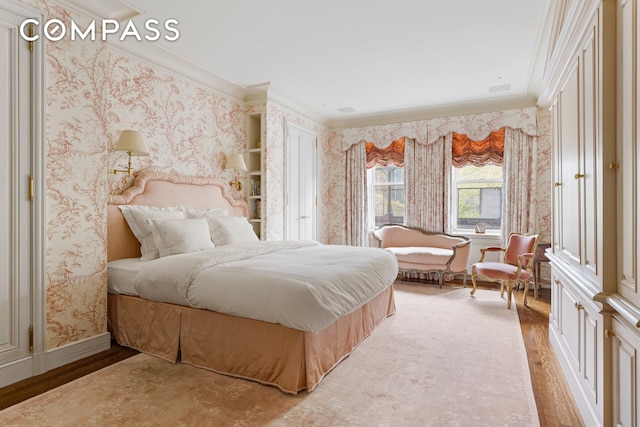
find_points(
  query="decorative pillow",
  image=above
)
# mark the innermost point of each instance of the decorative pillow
(209, 213)
(227, 230)
(178, 236)
(137, 216)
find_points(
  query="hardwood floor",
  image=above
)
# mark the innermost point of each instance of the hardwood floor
(556, 406)
(30, 387)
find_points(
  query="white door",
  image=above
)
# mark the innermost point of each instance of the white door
(18, 268)
(300, 176)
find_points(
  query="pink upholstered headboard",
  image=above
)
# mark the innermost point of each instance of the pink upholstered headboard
(162, 190)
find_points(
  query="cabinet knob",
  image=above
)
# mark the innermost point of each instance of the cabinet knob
(556, 281)
(608, 334)
(613, 166)
(578, 306)
(557, 184)
(579, 175)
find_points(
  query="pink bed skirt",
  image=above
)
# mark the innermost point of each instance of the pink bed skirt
(269, 353)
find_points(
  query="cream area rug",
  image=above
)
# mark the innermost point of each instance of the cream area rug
(444, 359)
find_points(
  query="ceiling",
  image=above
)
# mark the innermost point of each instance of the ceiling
(357, 59)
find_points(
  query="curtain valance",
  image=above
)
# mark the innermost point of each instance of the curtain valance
(465, 151)
(475, 126)
(382, 136)
(394, 153)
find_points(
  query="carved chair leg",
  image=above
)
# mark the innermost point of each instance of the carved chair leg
(502, 285)
(473, 281)
(509, 294)
(464, 281)
(526, 291)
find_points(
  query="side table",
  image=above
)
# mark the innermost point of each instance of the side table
(539, 258)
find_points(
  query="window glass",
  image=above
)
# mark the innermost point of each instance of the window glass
(477, 197)
(386, 195)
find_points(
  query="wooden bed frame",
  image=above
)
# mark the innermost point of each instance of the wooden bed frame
(273, 354)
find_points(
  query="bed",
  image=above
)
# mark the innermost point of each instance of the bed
(291, 354)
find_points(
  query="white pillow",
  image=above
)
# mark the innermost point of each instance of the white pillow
(227, 230)
(209, 213)
(137, 216)
(178, 236)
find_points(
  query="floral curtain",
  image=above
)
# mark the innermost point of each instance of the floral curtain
(520, 127)
(356, 196)
(519, 202)
(425, 175)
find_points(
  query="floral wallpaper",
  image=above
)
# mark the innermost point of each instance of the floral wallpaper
(543, 183)
(92, 93)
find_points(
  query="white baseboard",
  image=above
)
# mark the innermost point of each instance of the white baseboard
(40, 363)
(78, 350)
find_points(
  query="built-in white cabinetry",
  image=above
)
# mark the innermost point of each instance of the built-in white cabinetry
(623, 337)
(583, 253)
(625, 346)
(255, 172)
(584, 143)
(628, 155)
(577, 337)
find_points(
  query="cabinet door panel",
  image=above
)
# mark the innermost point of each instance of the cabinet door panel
(570, 326)
(557, 179)
(590, 357)
(569, 133)
(628, 154)
(626, 396)
(554, 315)
(588, 179)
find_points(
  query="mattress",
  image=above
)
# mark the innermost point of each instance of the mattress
(301, 285)
(121, 275)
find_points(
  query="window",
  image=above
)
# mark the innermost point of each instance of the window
(386, 195)
(477, 197)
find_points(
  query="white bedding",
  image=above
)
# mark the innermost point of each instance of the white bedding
(300, 284)
(122, 273)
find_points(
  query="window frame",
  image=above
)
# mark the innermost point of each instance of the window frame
(371, 215)
(453, 220)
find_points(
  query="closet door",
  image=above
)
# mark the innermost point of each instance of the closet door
(300, 176)
(17, 268)
(628, 183)
(569, 216)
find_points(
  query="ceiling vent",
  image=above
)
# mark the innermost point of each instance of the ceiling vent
(347, 110)
(499, 88)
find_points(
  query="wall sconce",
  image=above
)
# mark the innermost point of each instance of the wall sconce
(236, 162)
(132, 142)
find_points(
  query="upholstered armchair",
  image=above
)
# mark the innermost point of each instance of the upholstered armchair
(515, 268)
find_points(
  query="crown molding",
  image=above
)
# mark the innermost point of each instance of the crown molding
(155, 55)
(435, 112)
(104, 9)
(578, 18)
(182, 68)
(263, 92)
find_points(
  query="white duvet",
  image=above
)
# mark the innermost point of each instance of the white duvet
(300, 284)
